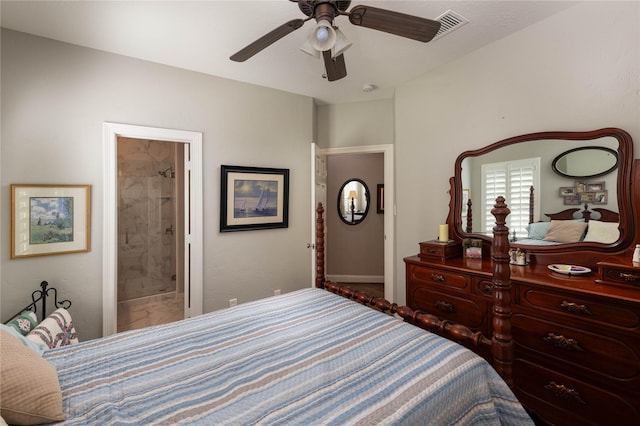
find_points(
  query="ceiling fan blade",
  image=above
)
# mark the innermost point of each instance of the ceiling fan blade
(334, 67)
(408, 26)
(267, 40)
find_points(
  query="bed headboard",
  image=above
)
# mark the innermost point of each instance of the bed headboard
(41, 296)
(603, 215)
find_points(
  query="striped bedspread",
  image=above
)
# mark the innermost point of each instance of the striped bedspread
(303, 358)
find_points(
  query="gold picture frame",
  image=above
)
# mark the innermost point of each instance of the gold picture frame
(48, 219)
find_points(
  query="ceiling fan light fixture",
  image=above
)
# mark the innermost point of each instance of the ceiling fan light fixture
(341, 45)
(307, 47)
(323, 36)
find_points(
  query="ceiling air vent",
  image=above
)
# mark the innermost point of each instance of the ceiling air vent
(450, 21)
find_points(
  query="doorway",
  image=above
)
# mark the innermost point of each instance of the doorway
(150, 289)
(318, 167)
(160, 175)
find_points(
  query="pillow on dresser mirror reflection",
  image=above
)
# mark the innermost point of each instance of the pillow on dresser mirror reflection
(537, 230)
(602, 232)
(565, 231)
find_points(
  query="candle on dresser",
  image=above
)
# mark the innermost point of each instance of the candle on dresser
(444, 233)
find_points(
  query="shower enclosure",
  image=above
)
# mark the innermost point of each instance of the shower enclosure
(149, 222)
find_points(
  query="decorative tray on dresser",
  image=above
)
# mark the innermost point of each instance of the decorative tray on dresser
(576, 337)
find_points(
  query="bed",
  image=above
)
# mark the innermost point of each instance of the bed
(598, 225)
(305, 357)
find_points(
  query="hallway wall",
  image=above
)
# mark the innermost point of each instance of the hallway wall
(356, 251)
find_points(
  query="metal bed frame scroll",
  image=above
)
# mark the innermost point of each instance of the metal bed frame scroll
(41, 296)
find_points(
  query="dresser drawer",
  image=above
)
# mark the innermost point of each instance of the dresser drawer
(446, 306)
(581, 308)
(430, 276)
(483, 287)
(562, 400)
(436, 250)
(621, 275)
(593, 353)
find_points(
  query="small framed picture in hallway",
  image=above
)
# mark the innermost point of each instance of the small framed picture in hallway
(253, 198)
(50, 219)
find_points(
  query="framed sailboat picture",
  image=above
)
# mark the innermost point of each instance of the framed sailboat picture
(253, 198)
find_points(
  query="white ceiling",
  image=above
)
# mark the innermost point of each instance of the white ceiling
(201, 35)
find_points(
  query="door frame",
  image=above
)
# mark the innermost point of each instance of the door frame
(319, 177)
(389, 202)
(193, 216)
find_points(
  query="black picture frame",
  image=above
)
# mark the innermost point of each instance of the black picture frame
(380, 200)
(253, 198)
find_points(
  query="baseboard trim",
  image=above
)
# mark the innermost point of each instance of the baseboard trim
(356, 278)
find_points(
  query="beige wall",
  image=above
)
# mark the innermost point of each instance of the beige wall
(577, 70)
(355, 124)
(56, 96)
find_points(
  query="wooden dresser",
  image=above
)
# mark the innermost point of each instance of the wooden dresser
(576, 338)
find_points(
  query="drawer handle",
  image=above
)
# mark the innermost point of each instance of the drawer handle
(629, 277)
(564, 392)
(444, 306)
(487, 289)
(559, 341)
(438, 277)
(432, 250)
(574, 308)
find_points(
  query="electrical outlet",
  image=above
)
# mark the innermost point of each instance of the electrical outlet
(233, 302)
(276, 292)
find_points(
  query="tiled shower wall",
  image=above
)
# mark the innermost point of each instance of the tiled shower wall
(146, 218)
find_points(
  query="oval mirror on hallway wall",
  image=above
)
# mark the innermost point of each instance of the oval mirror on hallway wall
(353, 201)
(585, 162)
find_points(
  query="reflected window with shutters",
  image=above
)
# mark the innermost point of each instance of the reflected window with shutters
(513, 180)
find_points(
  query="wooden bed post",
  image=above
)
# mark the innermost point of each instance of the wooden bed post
(319, 247)
(531, 204)
(501, 343)
(502, 340)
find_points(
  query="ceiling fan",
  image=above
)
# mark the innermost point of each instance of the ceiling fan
(325, 35)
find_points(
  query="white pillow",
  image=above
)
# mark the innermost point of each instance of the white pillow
(602, 232)
(55, 330)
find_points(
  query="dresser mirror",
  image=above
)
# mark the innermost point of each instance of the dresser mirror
(523, 170)
(353, 201)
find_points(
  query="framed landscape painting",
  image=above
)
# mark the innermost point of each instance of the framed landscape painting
(50, 219)
(253, 198)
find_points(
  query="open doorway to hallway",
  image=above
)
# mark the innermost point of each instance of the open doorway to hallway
(319, 189)
(355, 249)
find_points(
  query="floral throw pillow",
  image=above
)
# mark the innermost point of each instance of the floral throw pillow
(56, 330)
(24, 323)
